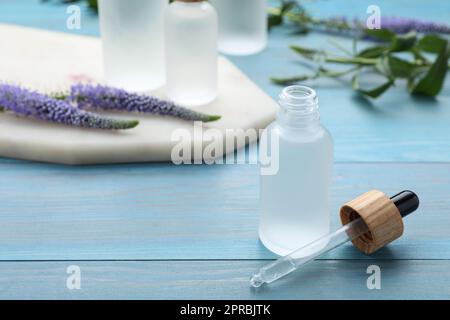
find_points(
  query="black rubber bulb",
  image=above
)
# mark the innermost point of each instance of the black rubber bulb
(406, 202)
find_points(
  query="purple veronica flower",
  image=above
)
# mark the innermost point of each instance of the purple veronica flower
(39, 106)
(405, 25)
(395, 24)
(108, 98)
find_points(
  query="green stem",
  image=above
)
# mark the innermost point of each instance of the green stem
(341, 47)
(337, 74)
(360, 60)
(355, 60)
(319, 73)
(328, 57)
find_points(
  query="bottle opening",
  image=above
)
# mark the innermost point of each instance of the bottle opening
(299, 98)
(298, 92)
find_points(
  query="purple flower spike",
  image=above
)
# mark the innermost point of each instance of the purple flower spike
(395, 24)
(32, 104)
(405, 25)
(108, 98)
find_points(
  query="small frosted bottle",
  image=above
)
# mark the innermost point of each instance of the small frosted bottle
(133, 43)
(295, 196)
(191, 30)
(242, 26)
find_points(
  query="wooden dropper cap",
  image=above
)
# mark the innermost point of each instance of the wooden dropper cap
(382, 215)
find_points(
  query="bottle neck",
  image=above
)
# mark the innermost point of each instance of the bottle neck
(299, 108)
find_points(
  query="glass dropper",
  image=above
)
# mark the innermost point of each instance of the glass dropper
(405, 201)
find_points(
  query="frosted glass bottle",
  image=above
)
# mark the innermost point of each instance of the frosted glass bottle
(191, 30)
(133, 48)
(242, 26)
(295, 200)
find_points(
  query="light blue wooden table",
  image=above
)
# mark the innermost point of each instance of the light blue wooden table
(158, 231)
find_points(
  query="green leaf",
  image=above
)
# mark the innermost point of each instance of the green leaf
(418, 55)
(398, 42)
(2, 109)
(371, 93)
(400, 68)
(287, 6)
(274, 21)
(93, 4)
(292, 80)
(403, 42)
(372, 52)
(305, 52)
(376, 92)
(431, 84)
(431, 43)
(212, 118)
(381, 34)
(411, 84)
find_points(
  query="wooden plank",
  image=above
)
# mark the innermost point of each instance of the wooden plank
(223, 280)
(163, 211)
